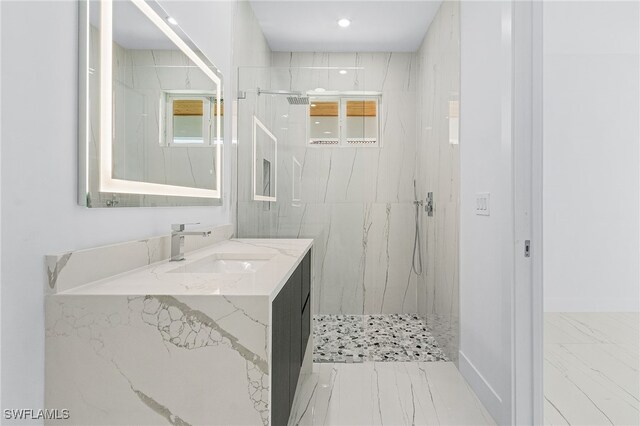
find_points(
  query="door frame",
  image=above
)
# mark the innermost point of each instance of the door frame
(527, 292)
(537, 299)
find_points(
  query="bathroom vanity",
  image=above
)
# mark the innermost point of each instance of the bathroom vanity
(220, 338)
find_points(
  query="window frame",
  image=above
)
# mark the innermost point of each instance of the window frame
(166, 133)
(310, 140)
(342, 98)
(344, 141)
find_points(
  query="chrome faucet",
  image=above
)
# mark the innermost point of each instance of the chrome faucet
(177, 239)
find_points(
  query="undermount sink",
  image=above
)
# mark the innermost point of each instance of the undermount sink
(225, 263)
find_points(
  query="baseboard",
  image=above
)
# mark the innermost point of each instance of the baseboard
(483, 389)
(578, 304)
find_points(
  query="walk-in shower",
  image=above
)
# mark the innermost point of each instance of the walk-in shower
(355, 198)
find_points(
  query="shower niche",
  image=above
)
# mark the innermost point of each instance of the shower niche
(265, 162)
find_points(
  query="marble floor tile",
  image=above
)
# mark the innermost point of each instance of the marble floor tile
(379, 338)
(387, 393)
(591, 369)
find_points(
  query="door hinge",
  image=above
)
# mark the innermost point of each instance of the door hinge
(527, 248)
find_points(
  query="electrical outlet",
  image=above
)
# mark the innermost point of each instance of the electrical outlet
(482, 204)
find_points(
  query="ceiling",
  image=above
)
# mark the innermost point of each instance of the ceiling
(376, 25)
(132, 29)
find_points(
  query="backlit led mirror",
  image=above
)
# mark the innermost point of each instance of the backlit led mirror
(151, 110)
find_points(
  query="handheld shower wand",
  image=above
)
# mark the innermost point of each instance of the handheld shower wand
(416, 240)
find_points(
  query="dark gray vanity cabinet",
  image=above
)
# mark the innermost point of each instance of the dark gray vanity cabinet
(306, 301)
(290, 334)
(295, 329)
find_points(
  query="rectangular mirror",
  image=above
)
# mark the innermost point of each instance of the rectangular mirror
(151, 110)
(265, 166)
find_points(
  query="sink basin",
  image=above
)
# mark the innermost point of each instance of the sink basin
(225, 263)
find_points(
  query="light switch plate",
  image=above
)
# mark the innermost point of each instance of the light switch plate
(483, 207)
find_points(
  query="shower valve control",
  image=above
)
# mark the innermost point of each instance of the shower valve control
(428, 207)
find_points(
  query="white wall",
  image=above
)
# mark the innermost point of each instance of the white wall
(591, 143)
(486, 242)
(39, 211)
(0, 206)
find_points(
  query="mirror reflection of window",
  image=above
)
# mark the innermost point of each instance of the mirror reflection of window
(188, 120)
(324, 121)
(362, 122)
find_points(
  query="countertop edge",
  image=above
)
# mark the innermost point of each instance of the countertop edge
(73, 292)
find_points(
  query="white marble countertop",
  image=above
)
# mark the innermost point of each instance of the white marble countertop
(156, 279)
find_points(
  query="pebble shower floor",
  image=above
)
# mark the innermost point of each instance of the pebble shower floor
(363, 338)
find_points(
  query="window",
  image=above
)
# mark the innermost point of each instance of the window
(324, 121)
(344, 121)
(190, 119)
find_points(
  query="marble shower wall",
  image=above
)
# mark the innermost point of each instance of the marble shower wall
(439, 172)
(355, 202)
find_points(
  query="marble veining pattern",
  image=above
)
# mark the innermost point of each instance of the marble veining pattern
(95, 341)
(591, 368)
(382, 338)
(190, 329)
(387, 393)
(174, 278)
(69, 270)
(163, 345)
(355, 202)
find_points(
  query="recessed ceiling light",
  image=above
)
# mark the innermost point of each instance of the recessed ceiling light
(285, 115)
(344, 22)
(327, 133)
(171, 20)
(343, 72)
(319, 89)
(317, 122)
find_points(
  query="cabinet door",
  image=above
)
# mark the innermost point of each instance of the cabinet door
(280, 357)
(295, 285)
(306, 278)
(306, 328)
(306, 303)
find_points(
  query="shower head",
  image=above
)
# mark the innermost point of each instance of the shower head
(294, 98)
